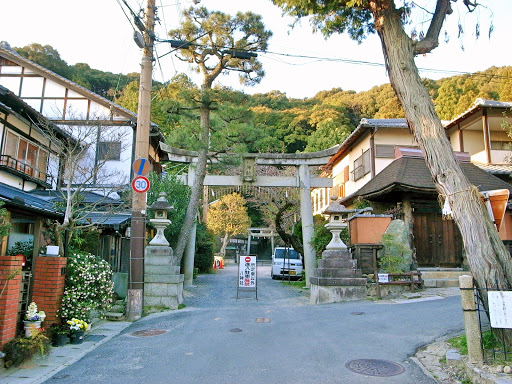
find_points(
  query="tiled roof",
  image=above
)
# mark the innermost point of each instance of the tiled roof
(411, 174)
(107, 219)
(364, 125)
(495, 169)
(26, 201)
(477, 105)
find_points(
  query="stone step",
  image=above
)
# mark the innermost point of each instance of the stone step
(440, 283)
(336, 272)
(337, 254)
(114, 316)
(164, 279)
(340, 281)
(117, 308)
(120, 302)
(337, 263)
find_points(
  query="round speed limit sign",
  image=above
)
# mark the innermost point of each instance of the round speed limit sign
(140, 184)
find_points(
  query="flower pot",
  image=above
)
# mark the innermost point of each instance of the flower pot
(59, 340)
(77, 337)
(30, 327)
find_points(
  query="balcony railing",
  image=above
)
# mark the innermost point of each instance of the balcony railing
(25, 171)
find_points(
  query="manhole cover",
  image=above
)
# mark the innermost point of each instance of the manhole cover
(236, 330)
(60, 377)
(148, 332)
(94, 337)
(371, 367)
(357, 313)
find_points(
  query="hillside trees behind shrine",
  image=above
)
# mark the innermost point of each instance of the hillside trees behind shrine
(273, 122)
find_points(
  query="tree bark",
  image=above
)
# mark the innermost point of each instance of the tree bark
(289, 239)
(225, 241)
(488, 258)
(196, 192)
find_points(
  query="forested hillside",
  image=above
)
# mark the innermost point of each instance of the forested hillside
(272, 122)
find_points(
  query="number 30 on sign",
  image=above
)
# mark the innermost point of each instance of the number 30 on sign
(140, 184)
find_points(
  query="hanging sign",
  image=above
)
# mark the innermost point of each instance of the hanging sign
(140, 184)
(500, 308)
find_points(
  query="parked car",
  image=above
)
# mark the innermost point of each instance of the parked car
(286, 262)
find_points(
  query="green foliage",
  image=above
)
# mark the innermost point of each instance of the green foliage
(205, 245)
(5, 225)
(177, 196)
(321, 235)
(84, 241)
(392, 260)
(21, 349)
(460, 343)
(89, 286)
(25, 248)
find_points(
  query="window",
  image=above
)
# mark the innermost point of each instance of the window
(385, 150)
(362, 165)
(503, 145)
(25, 156)
(109, 150)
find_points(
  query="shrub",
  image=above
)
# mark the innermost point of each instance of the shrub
(203, 260)
(89, 286)
(23, 348)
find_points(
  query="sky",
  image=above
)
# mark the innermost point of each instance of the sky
(98, 33)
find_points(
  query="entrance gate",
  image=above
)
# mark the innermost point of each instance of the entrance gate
(302, 180)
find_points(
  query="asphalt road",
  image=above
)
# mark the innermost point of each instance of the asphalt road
(278, 338)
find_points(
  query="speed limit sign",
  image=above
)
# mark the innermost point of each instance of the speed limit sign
(140, 184)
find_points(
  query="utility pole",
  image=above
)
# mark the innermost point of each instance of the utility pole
(137, 240)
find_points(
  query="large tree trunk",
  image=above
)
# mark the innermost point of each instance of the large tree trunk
(197, 189)
(224, 245)
(488, 259)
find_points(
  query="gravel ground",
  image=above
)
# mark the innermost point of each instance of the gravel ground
(217, 290)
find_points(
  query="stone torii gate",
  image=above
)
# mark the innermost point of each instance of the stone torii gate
(302, 180)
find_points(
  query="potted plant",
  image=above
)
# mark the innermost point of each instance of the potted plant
(59, 334)
(77, 328)
(20, 349)
(33, 319)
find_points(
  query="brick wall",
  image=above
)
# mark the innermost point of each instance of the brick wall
(48, 286)
(10, 296)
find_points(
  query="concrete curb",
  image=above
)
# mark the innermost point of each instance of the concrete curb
(40, 369)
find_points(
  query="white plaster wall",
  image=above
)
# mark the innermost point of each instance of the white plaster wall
(473, 142)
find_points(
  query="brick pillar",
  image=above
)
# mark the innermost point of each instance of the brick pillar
(9, 298)
(48, 286)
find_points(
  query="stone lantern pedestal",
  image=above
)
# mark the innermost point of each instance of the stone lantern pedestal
(163, 282)
(337, 277)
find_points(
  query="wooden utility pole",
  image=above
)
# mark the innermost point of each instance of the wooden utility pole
(137, 241)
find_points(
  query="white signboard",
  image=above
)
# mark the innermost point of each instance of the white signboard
(247, 272)
(383, 277)
(500, 308)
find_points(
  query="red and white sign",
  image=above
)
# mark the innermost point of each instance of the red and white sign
(140, 184)
(247, 272)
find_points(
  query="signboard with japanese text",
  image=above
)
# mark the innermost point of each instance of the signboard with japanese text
(247, 272)
(500, 308)
(383, 277)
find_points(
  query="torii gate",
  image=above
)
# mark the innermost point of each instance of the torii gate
(302, 180)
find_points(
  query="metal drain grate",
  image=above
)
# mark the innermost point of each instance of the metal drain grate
(94, 337)
(148, 332)
(235, 330)
(372, 367)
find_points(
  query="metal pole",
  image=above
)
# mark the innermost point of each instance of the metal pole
(137, 241)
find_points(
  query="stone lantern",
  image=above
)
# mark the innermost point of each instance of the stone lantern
(161, 206)
(338, 215)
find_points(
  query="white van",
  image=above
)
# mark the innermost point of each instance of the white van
(286, 262)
